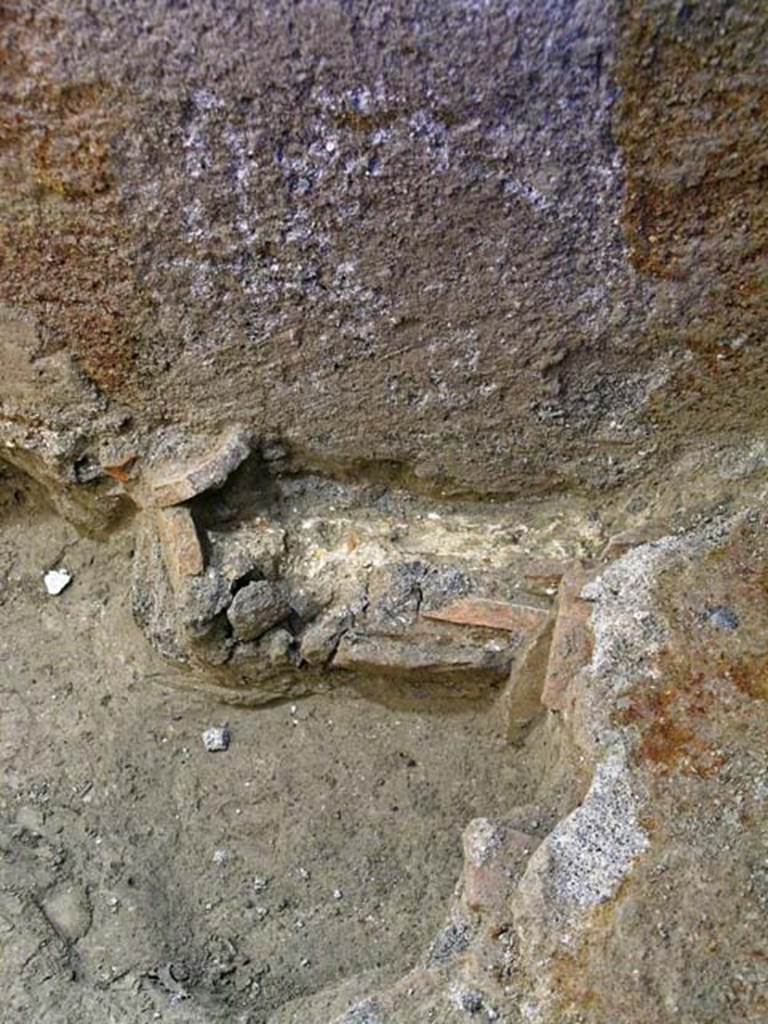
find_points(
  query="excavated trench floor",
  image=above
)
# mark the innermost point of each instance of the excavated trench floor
(141, 873)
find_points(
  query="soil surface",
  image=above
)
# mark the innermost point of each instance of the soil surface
(143, 877)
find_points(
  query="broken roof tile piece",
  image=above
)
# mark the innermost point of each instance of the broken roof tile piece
(453, 664)
(209, 472)
(479, 611)
(181, 544)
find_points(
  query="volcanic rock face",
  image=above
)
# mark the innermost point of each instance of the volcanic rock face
(476, 248)
(418, 350)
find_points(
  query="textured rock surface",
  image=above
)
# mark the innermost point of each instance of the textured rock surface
(419, 348)
(256, 608)
(483, 247)
(625, 897)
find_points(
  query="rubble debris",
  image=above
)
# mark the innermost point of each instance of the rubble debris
(394, 597)
(481, 838)
(495, 855)
(201, 600)
(153, 599)
(543, 575)
(273, 649)
(255, 548)
(276, 603)
(321, 638)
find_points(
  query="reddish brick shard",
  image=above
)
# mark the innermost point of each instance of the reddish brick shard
(478, 611)
(181, 545)
(122, 470)
(487, 879)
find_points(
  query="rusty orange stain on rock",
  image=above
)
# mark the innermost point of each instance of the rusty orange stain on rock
(121, 470)
(65, 239)
(748, 675)
(673, 719)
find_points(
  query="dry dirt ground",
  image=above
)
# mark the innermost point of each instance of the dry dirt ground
(143, 878)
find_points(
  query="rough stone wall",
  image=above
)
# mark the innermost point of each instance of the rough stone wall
(486, 248)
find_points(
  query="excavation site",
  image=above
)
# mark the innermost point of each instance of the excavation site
(383, 512)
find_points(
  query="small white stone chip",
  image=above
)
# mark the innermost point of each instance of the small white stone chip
(56, 580)
(216, 738)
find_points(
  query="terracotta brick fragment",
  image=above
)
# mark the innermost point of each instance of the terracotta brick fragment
(422, 659)
(487, 880)
(521, 701)
(478, 611)
(181, 545)
(211, 471)
(571, 646)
